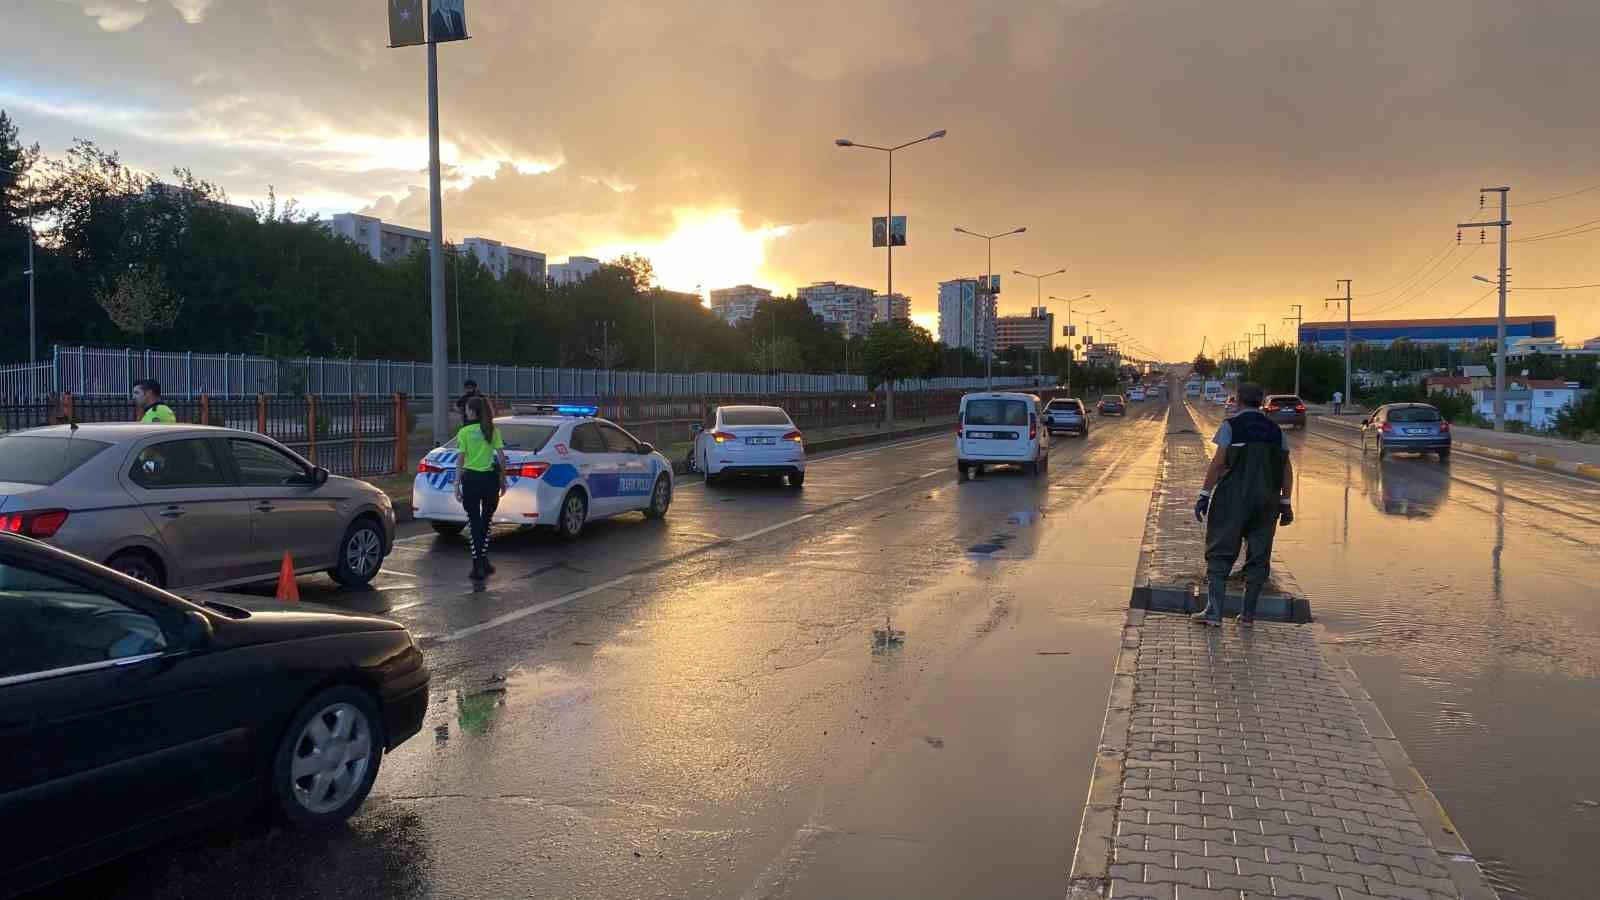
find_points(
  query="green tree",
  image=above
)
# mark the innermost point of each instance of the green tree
(1204, 366)
(897, 350)
(139, 302)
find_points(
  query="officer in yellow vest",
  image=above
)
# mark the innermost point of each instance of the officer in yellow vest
(147, 397)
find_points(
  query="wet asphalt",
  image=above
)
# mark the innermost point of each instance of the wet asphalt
(885, 684)
(1467, 598)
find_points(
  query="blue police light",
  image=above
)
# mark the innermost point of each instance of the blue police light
(573, 410)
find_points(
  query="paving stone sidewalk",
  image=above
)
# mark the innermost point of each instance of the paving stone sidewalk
(1249, 773)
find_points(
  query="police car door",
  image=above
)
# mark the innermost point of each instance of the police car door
(598, 468)
(635, 470)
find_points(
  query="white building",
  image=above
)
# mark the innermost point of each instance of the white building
(843, 305)
(966, 315)
(740, 302)
(1533, 402)
(574, 270)
(891, 307)
(383, 241)
(500, 259)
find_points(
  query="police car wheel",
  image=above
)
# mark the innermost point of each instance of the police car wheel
(448, 529)
(574, 510)
(660, 499)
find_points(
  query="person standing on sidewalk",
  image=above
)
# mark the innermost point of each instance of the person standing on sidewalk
(480, 478)
(147, 397)
(1246, 495)
(1338, 402)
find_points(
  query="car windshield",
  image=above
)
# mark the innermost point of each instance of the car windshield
(1066, 405)
(997, 412)
(756, 415)
(1414, 414)
(1285, 401)
(31, 459)
(1112, 398)
(520, 436)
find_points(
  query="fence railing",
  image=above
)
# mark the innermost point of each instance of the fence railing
(108, 372)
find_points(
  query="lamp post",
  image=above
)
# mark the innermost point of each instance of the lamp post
(888, 233)
(988, 285)
(1038, 306)
(1069, 301)
(33, 342)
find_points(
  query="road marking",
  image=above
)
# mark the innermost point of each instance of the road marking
(771, 528)
(403, 607)
(930, 473)
(878, 491)
(526, 611)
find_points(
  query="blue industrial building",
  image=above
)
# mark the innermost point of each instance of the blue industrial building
(1455, 332)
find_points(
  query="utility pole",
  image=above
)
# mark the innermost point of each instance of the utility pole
(1504, 224)
(1297, 318)
(1346, 301)
(441, 345)
(1263, 327)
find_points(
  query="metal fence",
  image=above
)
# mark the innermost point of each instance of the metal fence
(108, 372)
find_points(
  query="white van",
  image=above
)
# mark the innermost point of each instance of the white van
(1213, 388)
(1001, 429)
(1192, 388)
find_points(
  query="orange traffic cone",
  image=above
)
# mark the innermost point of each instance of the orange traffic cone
(288, 588)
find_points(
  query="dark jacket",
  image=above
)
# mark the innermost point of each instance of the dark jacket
(1254, 478)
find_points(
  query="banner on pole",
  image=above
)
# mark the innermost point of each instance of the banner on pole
(897, 231)
(447, 21)
(1069, 330)
(884, 231)
(405, 23)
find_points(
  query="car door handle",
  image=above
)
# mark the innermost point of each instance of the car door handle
(265, 507)
(172, 512)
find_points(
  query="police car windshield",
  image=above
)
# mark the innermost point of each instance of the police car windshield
(997, 412)
(521, 436)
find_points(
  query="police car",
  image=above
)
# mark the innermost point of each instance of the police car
(567, 466)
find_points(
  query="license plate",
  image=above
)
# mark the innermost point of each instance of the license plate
(980, 435)
(761, 440)
(1416, 431)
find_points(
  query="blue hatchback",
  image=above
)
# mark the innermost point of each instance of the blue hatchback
(1406, 428)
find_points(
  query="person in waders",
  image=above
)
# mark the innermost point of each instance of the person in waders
(1246, 496)
(480, 477)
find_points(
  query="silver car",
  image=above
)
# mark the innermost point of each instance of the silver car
(190, 506)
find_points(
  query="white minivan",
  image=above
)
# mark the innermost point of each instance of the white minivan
(1001, 429)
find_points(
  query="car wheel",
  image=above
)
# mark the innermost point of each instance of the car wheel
(1030, 468)
(448, 529)
(1444, 455)
(360, 554)
(574, 511)
(797, 480)
(328, 758)
(961, 472)
(138, 565)
(660, 499)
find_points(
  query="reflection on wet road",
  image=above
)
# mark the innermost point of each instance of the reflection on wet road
(1467, 598)
(888, 680)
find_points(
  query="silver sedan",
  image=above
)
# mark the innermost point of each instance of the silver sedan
(190, 506)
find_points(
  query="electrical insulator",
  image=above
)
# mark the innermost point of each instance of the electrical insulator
(1458, 235)
(1480, 235)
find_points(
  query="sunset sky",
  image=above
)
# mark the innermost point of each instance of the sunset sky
(1199, 165)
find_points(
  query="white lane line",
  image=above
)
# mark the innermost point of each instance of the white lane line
(876, 493)
(930, 473)
(402, 607)
(526, 611)
(771, 528)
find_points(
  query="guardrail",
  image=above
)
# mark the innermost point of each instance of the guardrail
(110, 372)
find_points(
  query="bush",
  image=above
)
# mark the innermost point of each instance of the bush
(1580, 418)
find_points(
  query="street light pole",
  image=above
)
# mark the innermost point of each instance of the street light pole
(1069, 336)
(436, 307)
(1500, 327)
(988, 284)
(1038, 306)
(33, 341)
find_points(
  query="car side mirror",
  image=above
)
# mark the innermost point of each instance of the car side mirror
(196, 631)
(646, 448)
(314, 477)
(696, 428)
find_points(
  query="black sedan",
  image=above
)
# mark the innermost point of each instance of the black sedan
(128, 714)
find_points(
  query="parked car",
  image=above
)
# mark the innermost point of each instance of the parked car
(1286, 409)
(1001, 428)
(129, 715)
(1112, 405)
(749, 440)
(1064, 414)
(1406, 428)
(190, 506)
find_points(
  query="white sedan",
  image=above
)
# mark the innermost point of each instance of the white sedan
(749, 440)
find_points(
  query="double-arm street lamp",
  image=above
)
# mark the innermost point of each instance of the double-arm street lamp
(1069, 301)
(888, 222)
(988, 287)
(1038, 310)
(33, 352)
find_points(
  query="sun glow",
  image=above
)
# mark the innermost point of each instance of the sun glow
(707, 249)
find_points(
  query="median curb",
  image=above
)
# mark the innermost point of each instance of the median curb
(1568, 467)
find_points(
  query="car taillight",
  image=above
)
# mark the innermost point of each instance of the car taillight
(722, 437)
(1444, 427)
(793, 436)
(1386, 427)
(530, 470)
(1272, 407)
(958, 429)
(1033, 426)
(1300, 408)
(428, 468)
(41, 524)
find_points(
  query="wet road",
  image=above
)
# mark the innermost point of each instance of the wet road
(1467, 598)
(887, 684)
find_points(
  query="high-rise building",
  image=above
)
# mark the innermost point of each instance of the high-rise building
(1032, 331)
(740, 302)
(383, 241)
(574, 270)
(500, 259)
(844, 306)
(891, 307)
(966, 315)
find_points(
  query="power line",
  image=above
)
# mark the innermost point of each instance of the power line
(1481, 297)
(1415, 296)
(1563, 287)
(1592, 187)
(1434, 258)
(1558, 235)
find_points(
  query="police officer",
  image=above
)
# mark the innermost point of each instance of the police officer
(147, 397)
(1246, 494)
(469, 389)
(481, 471)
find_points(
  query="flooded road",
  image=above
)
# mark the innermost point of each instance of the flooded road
(1467, 598)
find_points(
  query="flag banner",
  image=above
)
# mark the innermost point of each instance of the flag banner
(405, 23)
(447, 21)
(897, 231)
(880, 231)
(1069, 330)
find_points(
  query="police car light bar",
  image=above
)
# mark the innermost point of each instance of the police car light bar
(558, 409)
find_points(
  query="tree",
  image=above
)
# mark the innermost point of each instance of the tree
(639, 270)
(1204, 366)
(895, 350)
(139, 302)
